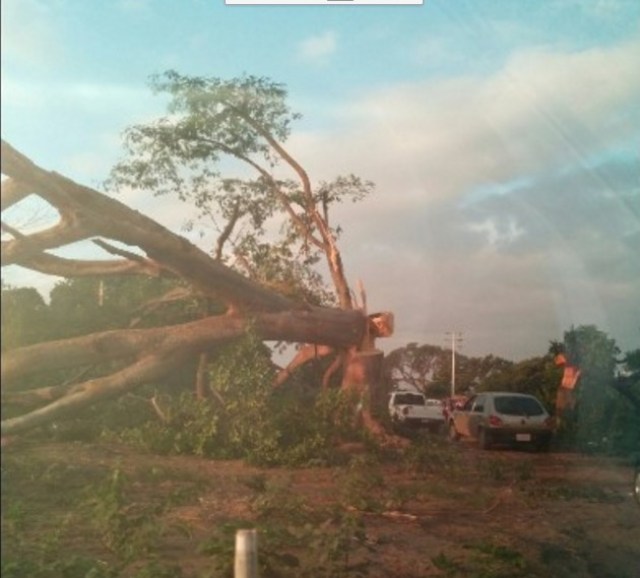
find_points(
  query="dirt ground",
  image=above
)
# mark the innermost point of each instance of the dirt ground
(450, 510)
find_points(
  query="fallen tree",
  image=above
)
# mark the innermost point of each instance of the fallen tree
(149, 353)
(151, 250)
(272, 287)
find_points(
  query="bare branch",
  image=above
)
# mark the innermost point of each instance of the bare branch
(59, 266)
(113, 250)
(111, 219)
(273, 143)
(176, 294)
(158, 410)
(35, 397)
(305, 354)
(68, 230)
(12, 193)
(226, 232)
(13, 231)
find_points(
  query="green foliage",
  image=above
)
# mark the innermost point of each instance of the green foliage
(89, 304)
(128, 529)
(74, 310)
(242, 122)
(242, 376)
(446, 564)
(245, 418)
(362, 484)
(25, 318)
(586, 492)
(497, 560)
(495, 470)
(30, 490)
(428, 369)
(537, 376)
(595, 418)
(433, 454)
(189, 427)
(295, 540)
(275, 431)
(69, 567)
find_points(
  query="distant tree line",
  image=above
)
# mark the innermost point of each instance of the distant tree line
(606, 415)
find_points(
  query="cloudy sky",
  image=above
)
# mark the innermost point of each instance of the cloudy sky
(503, 138)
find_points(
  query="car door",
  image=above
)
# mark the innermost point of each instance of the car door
(475, 416)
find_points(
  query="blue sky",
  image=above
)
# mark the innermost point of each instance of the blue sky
(503, 138)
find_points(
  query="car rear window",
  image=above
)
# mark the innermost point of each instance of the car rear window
(516, 405)
(409, 399)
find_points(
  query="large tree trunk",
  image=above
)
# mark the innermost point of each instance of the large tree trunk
(144, 354)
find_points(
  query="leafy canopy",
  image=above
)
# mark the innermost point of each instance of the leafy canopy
(220, 147)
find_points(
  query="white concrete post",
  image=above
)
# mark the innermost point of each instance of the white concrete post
(246, 559)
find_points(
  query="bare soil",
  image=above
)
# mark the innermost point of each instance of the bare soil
(452, 511)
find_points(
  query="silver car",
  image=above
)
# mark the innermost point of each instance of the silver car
(507, 418)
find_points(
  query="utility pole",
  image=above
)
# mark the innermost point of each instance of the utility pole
(455, 337)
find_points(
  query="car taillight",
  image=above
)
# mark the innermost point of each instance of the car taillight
(550, 422)
(405, 411)
(495, 421)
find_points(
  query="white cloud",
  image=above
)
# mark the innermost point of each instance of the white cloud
(518, 271)
(30, 33)
(496, 235)
(437, 139)
(317, 49)
(19, 93)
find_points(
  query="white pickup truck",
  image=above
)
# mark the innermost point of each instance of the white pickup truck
(413, 409)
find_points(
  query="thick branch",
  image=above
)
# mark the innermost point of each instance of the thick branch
(226, 232)
(111, 219)
(22, 247)
(328, 244)
(275, 145)
(304, 355)
(316, 325)
(95, 390)
(35, 397)
(176, 345)
(12, 193)
(53, 265)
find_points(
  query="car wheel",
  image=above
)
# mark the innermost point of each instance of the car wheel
(453, 434)
(485, 439)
